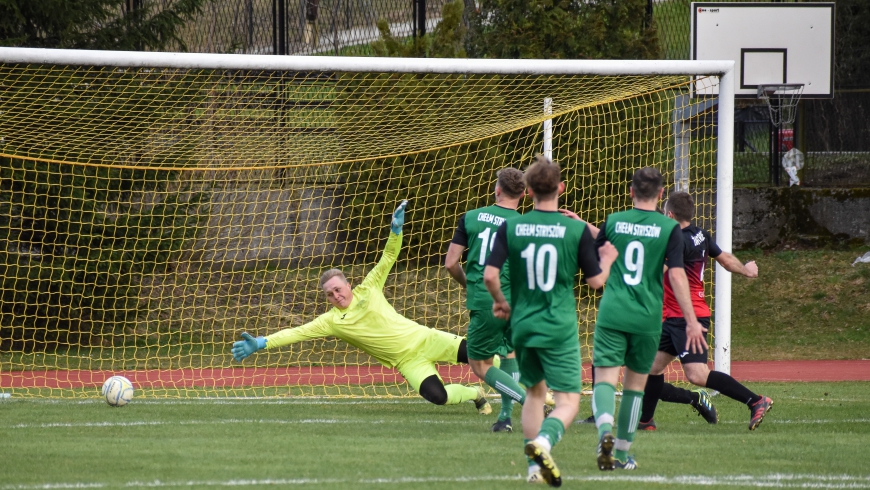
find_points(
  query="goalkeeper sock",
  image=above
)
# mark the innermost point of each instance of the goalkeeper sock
(509, 389)
(626, 425)
(552, 430)
(457, 394)
(603, 406)
(731, 388)
(651, 393)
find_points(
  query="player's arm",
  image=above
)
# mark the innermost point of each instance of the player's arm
(728, 261)
(595, 261)
(319, 327)
(454, 253)
(492, 271)
(377, 277)
(571, 214)
(696, 341)
(732, 264)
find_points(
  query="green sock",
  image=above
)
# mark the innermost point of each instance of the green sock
(626, 424)
(457, 394)
(603, 406)
(553, 429)
(509, 389)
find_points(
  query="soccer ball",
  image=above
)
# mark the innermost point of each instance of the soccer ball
(117, 391)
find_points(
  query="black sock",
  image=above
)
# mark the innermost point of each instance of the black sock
(651, 394)
(731, 388)
(672, 394)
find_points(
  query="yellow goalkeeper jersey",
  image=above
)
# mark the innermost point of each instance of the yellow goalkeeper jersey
(369, 323)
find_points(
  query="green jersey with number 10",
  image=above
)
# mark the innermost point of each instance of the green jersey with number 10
(545, 250)
(633, 294)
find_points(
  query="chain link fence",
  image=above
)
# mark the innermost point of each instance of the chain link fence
(300, 27)
(834, 135)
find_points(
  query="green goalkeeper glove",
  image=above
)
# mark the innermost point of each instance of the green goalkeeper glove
(244, 348)
(398, 218)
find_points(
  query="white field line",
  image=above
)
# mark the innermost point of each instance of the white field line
(776, 480)
(471, 420)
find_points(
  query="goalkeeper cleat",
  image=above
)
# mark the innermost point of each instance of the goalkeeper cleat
(629, 464)
(704, 407)
(606, 462)
(549, 471)
(651, 425)
(481, 403)
(758, 409)
(502, 426)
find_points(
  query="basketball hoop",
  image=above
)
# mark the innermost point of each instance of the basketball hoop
(782, 101)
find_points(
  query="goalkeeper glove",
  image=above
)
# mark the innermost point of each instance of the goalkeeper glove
(398, 218)
(244, 348)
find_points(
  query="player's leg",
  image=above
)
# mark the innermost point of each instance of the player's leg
(609, 347)
(640, 353)
(486, 339)
(700, 374)
(423, 377)
(532, 375)
(561, 367)
(653, 389)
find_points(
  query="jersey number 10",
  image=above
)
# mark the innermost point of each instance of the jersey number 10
(535, 263)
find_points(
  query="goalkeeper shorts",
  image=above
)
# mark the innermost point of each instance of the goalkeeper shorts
(438, 347)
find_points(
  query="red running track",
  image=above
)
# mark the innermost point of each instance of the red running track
(775, 371)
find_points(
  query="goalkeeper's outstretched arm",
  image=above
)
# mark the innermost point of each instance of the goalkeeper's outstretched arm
(378, 276)
(319, 327)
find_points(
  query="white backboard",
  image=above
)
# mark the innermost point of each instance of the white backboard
(771, 43)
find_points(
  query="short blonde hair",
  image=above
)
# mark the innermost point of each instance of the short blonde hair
(326, 276)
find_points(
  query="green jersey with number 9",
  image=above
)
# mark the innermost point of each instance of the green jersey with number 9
(633, 294)
(476, 232)
(545, 250)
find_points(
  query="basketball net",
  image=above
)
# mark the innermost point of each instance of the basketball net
(782, 101)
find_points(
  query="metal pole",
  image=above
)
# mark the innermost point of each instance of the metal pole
(724, 219)
(548, 129)
(420, 9)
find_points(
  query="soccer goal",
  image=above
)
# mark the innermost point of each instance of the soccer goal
(157, 205)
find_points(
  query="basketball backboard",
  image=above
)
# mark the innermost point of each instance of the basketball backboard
(771, 43)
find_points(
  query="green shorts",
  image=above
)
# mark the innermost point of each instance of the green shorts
(614, 348)
(558, 366)
(487, 335)
(438, 347)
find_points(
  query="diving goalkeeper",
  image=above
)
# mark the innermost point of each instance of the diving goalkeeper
(364, 318)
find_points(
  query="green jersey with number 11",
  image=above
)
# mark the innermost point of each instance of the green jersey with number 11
(476, 232)
(633, 294)
(545, 250)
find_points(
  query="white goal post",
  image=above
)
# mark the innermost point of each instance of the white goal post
(725, 114)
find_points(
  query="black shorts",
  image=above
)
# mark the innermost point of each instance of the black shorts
(673, 340)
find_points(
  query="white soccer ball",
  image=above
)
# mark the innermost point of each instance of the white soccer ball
(117, 391)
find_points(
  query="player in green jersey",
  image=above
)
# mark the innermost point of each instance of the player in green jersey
(628, 326)
(545, 250)
(488, 336)
(364, 318)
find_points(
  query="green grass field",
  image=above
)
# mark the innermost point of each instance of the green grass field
(814, 437)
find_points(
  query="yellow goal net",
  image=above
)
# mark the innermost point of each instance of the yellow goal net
(155, 206)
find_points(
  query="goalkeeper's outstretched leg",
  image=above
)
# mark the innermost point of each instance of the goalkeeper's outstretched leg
(422, 374)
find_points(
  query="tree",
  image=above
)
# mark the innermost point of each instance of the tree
(562, 29)
(445, 42)
(94, 24)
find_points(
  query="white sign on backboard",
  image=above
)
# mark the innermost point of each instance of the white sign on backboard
(771, 43)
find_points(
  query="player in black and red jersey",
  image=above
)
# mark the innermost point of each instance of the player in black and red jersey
(699, 246)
